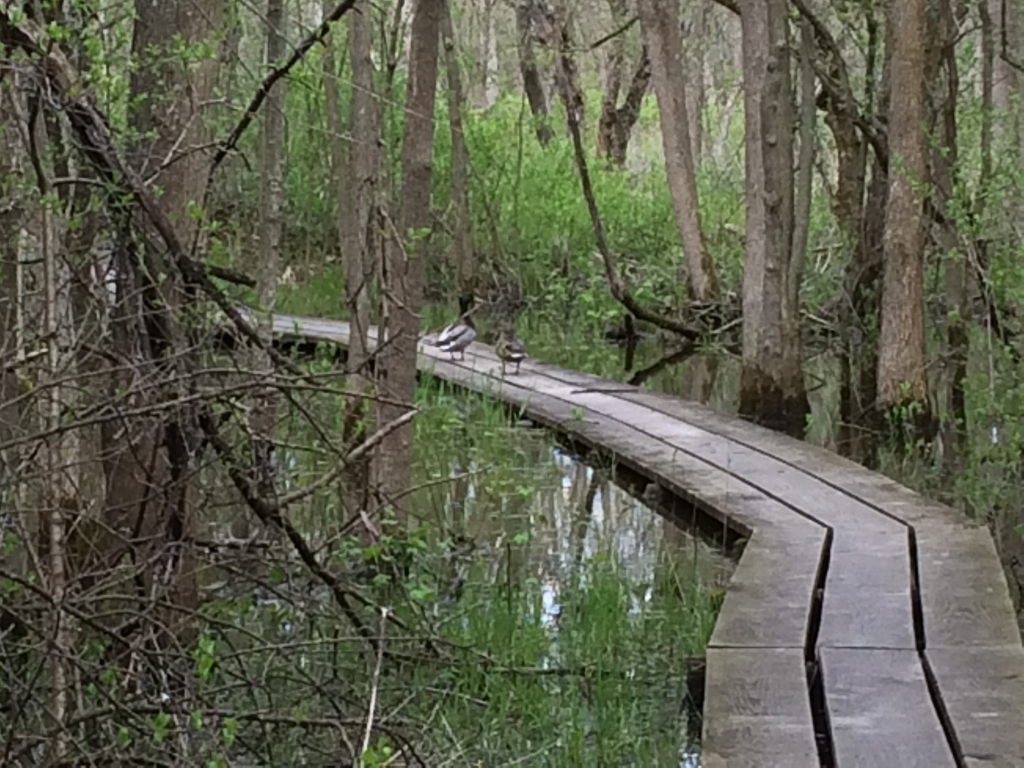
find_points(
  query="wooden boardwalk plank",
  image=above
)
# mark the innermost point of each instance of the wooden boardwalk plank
(868, 601)
(964, 597)
(757, 712)
(841, 473)
(983, 692)
(880, 710)
(768, 602)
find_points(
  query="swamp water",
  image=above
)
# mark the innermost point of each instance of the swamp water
(562, 612)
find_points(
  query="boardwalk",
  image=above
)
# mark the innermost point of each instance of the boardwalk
(864, 625)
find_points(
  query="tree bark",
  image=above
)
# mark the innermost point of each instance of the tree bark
(659, 22)
(406, 248)
(613, 67)
(862, 236)
(533, 84)
(355, 172)
(771, 381)
(945, 165)
(462, 236)
(695, 46)
(271, 202)
(552, 23)
(805, 164)
(902, 378)
(157, 498)
(61, 456)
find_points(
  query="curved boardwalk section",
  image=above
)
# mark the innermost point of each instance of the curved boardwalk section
(864, 625)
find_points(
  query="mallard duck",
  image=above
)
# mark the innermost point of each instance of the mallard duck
(460, 334)
(509, 349)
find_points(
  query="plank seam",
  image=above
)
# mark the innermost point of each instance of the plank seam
(945, 720)
(812, 663)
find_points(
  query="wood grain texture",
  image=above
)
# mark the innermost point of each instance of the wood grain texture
(983, 692)
(964, 597)
(880, 710)
(757, 713)
(769, 598)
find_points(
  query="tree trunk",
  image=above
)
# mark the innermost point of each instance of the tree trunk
(351, 193)
(271, 201)
(61, 456)
(659, 22)
(805, 164)
(462, 237)
(902, 378)
(10, 231)
(157, 498)
(628, 113)
(613, 67)
(1006, 78)
(552, 23)
(945, 163)
(407, 247)
(533, 84)
(862, 236)
(771, 381)
(695, 46)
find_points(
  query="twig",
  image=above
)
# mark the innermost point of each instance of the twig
(376, 682)
(352, 456)
(612, 35)
(276, 74)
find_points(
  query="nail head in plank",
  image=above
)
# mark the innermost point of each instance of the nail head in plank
(757, 712)
(880, 710)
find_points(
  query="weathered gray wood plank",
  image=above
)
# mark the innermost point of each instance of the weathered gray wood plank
(983, 692)
(964, 597)
(868, 602)
(769, 598)
(757, 713)
(880, 711)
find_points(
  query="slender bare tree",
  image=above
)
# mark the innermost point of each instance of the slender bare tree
(659, 20)
(271, 203)
(462, 236)
(406, 247)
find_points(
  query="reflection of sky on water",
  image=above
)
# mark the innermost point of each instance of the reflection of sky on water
(575, 516)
